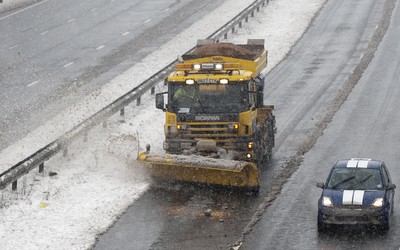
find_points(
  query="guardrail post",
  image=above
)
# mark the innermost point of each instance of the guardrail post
(62, 145)
(41, 167)
(153, 90)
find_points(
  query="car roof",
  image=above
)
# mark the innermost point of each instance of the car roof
(358, 163)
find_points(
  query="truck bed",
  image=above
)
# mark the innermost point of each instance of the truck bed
(240, 51)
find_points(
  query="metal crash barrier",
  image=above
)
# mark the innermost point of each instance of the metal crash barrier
(38, 158)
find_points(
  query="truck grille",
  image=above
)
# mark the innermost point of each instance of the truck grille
(216, 131)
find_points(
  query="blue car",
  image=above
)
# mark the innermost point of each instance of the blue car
(357, 191)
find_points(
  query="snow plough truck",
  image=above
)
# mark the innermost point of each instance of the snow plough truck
(217, 129)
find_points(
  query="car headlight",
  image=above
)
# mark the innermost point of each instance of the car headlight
(378, 202)
(327, 201)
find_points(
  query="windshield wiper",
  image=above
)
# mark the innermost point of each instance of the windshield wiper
(344, 181)
(362, 181)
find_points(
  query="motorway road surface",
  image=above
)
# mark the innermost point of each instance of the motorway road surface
(306, 89)
(55, 52)
(367, 125)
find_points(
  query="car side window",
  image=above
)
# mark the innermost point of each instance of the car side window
(386, 177)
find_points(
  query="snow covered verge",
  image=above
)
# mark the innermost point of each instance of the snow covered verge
(7, 5)
(80, 195)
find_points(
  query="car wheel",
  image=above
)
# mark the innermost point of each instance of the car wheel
(385, 226)
(391, 208)
(321, 226)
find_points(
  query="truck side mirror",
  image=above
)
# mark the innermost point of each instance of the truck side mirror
(160, 101)
(260, 91)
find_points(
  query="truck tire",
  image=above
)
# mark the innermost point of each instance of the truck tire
(263, 149)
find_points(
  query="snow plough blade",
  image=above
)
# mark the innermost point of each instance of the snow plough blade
(204, 170)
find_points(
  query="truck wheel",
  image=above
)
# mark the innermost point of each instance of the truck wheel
(261, 146)
(270, 143)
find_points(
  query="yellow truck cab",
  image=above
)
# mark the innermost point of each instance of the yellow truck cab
(215, 102)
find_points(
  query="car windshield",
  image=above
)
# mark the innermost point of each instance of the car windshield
(209, 98)
(355, 179)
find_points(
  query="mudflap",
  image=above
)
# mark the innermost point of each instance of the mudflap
(203, 170)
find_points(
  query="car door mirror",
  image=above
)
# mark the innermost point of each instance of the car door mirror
(320, 185)
(391, 186)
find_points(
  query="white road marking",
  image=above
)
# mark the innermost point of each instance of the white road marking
(165, 10)
(32, 83)
(71, 20)
(22, 10)
(13, 47)
(148, 20)
(100, 47)
(94, 9)
(125, 33)
(68, 64)
(44, 32)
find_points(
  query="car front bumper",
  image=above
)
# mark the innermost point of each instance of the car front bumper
(352, 216)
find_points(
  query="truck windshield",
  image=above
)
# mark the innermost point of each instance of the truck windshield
(208, 98)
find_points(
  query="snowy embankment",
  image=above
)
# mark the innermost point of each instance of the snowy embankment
(98, 179)
(13, 4)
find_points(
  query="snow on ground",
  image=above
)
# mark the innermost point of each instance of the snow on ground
(98, 178)
(13, 4)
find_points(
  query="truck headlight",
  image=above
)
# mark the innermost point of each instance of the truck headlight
(196, 66)
(181, 126)
(327, 201)
(378, 202)
(223, 81)
(189, 81)
(219, 66)
(233, 125)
